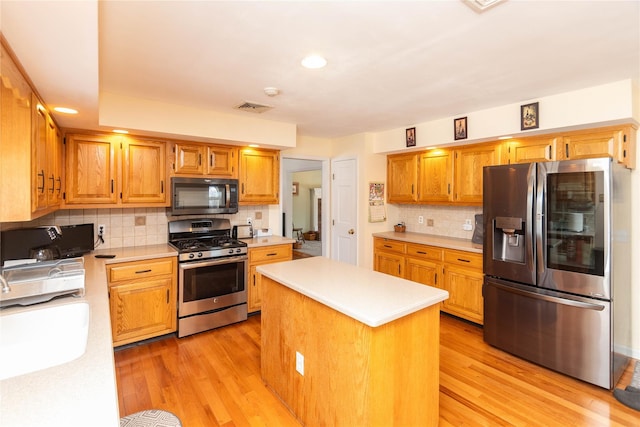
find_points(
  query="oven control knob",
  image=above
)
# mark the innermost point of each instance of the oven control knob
(191, 256)
(199, 254)
(238, 250)
(230, 251)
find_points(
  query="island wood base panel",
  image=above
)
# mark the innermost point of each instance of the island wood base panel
(354, 375)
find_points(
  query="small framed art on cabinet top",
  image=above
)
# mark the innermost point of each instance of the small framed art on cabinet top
(529, 116)
(411, 137)
(460, 128)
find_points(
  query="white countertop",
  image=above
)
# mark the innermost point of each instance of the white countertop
(267, 241)
(432, 240)
(82, 392)
(368, 296)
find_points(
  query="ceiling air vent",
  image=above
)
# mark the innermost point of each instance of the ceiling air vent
(253, 107)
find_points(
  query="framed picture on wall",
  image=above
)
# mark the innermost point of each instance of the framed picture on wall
(529, 114)
(460, 128)
(411, 137)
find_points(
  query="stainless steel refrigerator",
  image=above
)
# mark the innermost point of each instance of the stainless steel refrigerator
(557, 255)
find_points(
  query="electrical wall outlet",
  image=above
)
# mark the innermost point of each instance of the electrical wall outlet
(300, 363)
(102, 229)
(249, 220)
(420, 219)
(467, 226)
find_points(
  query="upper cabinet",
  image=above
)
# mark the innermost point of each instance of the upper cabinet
(115, 170)
(454, 175)
(30, 153)
(402, 175)
(205, 159)
(259, 176)
(615, 142)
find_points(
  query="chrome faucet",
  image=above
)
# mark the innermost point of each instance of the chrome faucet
(5, 285)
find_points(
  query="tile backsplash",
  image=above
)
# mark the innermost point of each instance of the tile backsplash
(135, 226)
(447, 220)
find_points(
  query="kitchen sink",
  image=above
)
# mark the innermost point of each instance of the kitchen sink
(42, 336)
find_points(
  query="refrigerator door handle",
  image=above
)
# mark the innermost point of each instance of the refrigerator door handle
(539, 216)
(529, 228)
(549, 298)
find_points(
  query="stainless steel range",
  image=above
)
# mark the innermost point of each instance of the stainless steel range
(212, 274)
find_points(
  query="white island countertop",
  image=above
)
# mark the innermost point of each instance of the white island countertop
(82, 392)
(368, 296)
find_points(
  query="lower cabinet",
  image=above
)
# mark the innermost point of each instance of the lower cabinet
(259, 256)
(142, 299)
(458, 272)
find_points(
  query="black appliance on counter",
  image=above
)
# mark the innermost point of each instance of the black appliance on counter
(212, 271)
(66, 241)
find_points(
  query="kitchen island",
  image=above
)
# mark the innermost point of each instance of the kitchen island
(344, 345)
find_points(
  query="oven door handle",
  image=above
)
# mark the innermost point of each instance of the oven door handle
(209, 262)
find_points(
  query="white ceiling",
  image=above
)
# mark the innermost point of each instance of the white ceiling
(391, 64)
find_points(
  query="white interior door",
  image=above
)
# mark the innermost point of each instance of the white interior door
(344, 211)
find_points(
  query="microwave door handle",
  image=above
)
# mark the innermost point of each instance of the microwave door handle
(228, 197)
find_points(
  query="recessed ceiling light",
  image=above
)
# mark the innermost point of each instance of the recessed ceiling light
(481, 5)
(314, 61)
(65, 110)
(120, 131)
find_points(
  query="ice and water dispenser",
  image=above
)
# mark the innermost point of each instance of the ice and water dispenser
(508, 239)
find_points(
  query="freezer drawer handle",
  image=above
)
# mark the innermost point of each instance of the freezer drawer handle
(549, 298)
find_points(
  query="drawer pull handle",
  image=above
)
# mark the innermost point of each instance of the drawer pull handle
(464, 260)
(272, 254)
(143, 271)
(422, 252)
(388, 246)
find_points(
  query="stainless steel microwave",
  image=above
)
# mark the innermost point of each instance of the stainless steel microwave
(204, 196)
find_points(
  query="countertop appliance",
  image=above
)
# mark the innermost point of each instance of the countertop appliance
(242, 231)
(212, 271)
(42, 281)
(556, 263)
(204, 196)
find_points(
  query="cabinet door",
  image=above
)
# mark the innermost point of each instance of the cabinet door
(55, 161)
(532, 150)
(389, 263)
(425, 272)
(189, 159)
(604, 143)
(254, 290)
(259, 256)
(40, 168)
(435, 176)
(90, 169)
(402, 176)
(468, 172)
(143, 172)
(465, 293)
(259, 176)
(142, 309)
(222, 161)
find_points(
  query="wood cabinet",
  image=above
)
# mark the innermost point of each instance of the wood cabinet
(259, 256)
(205, 159)
(615, 142)
(463, 280)
(259, 176)
(435, 176)
(402, 176)
(469, 162)
(113, 170)
(458, 272)
(389, 256)
(542, 149)
(142, 299)
(30, 162)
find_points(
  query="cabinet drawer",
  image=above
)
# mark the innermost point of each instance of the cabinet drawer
(270, 253)
(461, 258)
(138, 270)
(424, 252)
(390, 245)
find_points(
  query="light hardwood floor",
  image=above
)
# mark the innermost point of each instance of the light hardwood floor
(213, 379)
